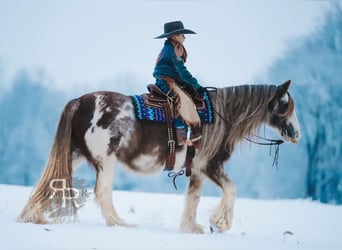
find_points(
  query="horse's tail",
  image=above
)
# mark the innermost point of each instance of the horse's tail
(51, 199)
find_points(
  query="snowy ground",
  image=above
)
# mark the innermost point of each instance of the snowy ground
(277, 224)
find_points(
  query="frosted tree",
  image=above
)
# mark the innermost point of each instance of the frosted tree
(29, 113)
(315, 68)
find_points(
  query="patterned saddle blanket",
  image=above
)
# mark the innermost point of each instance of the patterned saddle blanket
(150, 106)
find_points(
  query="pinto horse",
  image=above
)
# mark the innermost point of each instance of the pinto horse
(102, 128)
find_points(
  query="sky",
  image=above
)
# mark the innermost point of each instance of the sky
(71, 44)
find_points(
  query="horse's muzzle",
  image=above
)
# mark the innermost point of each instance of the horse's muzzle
(290, 134)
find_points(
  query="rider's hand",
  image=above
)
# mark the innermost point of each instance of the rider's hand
(200, 91)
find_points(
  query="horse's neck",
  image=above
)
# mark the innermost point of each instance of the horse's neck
(246, 105)
(249, 97)
(239, 111)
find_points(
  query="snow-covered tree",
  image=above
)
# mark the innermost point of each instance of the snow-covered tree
(315, 67)
(29, 114)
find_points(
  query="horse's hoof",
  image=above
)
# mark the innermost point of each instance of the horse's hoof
(196, 229)
(199, 230)
(213, 229)
(120, 223)
(124, 224)
(217, 228)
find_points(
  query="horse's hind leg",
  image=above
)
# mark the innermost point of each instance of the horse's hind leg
(188, 222)
(104, 191)
(76, 160)
(221, 220)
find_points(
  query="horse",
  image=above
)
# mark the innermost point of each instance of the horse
(101, 128)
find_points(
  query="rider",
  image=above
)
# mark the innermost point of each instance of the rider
(172, 77)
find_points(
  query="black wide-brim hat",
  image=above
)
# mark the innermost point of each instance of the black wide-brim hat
(174, 28)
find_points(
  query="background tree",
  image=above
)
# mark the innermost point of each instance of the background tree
(315, 68)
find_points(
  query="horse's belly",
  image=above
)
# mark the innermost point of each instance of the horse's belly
(152, 163)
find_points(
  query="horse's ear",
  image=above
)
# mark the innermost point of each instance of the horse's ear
(283, 88)
(286, 84)
(281, 91)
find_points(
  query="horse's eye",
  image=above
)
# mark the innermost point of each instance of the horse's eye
(283, 107)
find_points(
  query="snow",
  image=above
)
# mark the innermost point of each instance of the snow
(258, 224)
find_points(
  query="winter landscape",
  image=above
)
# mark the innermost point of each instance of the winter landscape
(53, 51)
(258, 224)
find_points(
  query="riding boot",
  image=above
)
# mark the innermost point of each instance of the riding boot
(181, 135)
(196, 136)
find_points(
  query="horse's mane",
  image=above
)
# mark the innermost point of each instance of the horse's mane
(244, 108)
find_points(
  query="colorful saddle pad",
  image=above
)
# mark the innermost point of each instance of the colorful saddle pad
(146, 110)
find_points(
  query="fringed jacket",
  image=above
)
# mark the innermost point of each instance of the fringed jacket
(169, 65)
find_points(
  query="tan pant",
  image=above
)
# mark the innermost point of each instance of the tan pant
(186, 106)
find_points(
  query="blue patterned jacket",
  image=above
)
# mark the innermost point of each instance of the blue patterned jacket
(169, 65)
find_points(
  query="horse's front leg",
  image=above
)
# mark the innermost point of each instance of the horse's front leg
(222, 218)
(188, 222)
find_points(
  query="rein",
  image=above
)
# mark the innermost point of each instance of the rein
(270, 142)
(174, 175)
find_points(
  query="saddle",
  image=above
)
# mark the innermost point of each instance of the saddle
(159, 107)
(156, 98)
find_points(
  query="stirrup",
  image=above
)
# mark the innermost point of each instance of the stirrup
(196, 137)
(181, 136)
